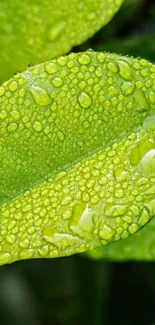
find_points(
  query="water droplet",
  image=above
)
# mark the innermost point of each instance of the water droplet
(84, 59)
(37, 126)
(101, 57)
(133, 228)
(84, 100)
(40, 95)
(13, 86)
(10, 238)
(26, 254)
(106, 232)
(141, 102)
(51, 67)
(57, 82)
(115, 210)
(24, 243)
(128, 88)
(66, 200)
(67, 213)
(62, 241)
(125, 70)
(3, 114)
(56, 30)
(15, 115)
(61, 136)
(142, 155)
(113, 67)
(12, 127)
(5, 258)
(147, 163)
(144, 218)
(43, 251)
(2, 91)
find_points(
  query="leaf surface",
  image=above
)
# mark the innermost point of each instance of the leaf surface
(77, 154)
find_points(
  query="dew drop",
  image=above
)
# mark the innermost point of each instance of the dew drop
(40, 95)
(113, 67)
(51, 67)
(37, 126)
(13, 86)
(12, 127)
(5, 258)
(141, 102)
(84, 100)
(84, 59)
(57, 82)
(142, 154)
(125, 70)
(3, 114)
(128, 88)
(106, 233)
(2, 91)
(56, 30)
(10, 238)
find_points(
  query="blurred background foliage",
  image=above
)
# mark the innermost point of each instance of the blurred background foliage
(88, 289)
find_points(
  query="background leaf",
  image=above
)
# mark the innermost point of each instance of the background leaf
(36, 31)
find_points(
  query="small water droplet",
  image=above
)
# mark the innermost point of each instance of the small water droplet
(128, 88)
(15, 115)
(12, 127)
(57, 82)
(61, 136)
(40, 95)
(101, 57)
(115, 210)
(51, 67)
(5, 258)
(106, 232)
(113, 67)
(142, 156)
(84, 100)
(84, 59)
(144, 218)
(13, 86)
(3, 114)
(141, 102)
(24, 243)
(56, 30)
(125, 70)
(37, 126)
(66, 200)
(10, 238)
(2, 91)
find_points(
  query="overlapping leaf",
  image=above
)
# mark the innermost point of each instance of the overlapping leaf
(34, 31)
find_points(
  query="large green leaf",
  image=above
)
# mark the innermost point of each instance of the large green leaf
(77, 148)
(33, 31)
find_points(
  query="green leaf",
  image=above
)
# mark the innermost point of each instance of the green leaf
(77, 148)
(34, 31)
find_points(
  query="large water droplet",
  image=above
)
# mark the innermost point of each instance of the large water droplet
(40, 95)
(141, 102)
(56, 30)
(84, 100)
(142, 153)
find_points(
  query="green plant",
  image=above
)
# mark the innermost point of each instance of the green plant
(77, 137)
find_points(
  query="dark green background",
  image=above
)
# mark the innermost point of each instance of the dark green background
(77, 290)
